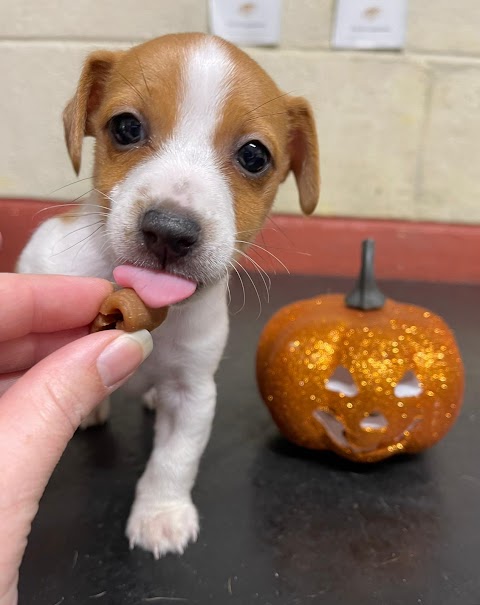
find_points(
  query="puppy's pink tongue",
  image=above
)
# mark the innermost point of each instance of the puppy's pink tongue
(155, 288)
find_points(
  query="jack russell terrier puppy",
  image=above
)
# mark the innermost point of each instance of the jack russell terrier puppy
(193, 139)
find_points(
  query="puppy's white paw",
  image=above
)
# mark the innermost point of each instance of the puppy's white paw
(149, 399)
(162, 527)
(98, 416)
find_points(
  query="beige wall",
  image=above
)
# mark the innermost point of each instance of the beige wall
(399, 132)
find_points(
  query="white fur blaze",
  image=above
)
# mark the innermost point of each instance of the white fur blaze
(207, 82)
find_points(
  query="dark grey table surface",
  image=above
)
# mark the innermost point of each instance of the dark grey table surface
(279, 525)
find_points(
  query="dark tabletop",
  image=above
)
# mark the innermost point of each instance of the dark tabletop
(279, 525)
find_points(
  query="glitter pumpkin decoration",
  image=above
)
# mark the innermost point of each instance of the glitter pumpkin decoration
(363, 376)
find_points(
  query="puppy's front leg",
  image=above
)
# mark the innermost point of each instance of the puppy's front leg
(98, 416)
(163, 518)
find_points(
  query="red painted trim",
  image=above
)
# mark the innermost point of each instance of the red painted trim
(322, 246)
(18, 220)
(404, 250)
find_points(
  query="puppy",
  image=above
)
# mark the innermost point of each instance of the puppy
(192, 141)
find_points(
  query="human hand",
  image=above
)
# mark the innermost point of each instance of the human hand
(52, 374)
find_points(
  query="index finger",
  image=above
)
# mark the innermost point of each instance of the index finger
(48, 303)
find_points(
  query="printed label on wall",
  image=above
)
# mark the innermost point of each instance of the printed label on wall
(246, 22)
(370, 24)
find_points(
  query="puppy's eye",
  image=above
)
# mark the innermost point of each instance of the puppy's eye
(253, 157)
(126, 129)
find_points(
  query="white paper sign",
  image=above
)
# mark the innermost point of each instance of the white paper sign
(370, 24)
(246, 22)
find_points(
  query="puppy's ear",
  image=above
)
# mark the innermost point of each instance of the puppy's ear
(78, 112)
(304, 154)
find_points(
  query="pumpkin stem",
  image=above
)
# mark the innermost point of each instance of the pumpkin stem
(366, 294)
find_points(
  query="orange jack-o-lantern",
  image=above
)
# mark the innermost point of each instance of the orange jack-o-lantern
(365, 376)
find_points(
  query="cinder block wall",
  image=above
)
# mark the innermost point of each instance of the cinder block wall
(399, 132)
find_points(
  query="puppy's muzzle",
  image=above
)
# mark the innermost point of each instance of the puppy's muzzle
(168, 235)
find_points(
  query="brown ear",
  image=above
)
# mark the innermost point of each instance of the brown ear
(77, 114)
(304, 154)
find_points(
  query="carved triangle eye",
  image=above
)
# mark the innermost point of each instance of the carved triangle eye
(408, 386)
(341, 381)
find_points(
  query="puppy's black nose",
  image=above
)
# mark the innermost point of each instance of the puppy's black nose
(169, 235)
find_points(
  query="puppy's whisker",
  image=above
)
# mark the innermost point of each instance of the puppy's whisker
(259, 229)
(74, 215)
(254, 262)
(227, 289)
(83, 195)
(79, 229)
(268, 260)
(81, 205)
(97, 213)
(104, 247)
(104, 195)
(267, 115)
(70, 184)
(79, 242)
(289, 250)
(131, 149)
(254, 287)
(69, 204)
(248, 231)
(265, 250)
(243, 287)
(267, 282)
(84, 244)
(260, 271)
(134, 88)
(259, 234)
(282, 231)
(143, 74)
(277, 229)
(267, 102)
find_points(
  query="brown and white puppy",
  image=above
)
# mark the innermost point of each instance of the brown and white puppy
(192, 141)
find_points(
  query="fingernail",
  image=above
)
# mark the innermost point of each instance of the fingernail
(123, 356)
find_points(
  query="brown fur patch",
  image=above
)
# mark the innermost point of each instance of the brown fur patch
(257, 109)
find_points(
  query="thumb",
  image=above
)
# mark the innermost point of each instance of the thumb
(38, 416)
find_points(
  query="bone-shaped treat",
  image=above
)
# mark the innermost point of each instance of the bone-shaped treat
(124, 310)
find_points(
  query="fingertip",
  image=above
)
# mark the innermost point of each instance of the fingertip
(122, 357)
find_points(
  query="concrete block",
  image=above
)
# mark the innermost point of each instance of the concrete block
(450, 185)
(370, 111)
(307, 26)
(105, 20)
(443, 26)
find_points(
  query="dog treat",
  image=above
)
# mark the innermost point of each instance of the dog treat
(124, 310)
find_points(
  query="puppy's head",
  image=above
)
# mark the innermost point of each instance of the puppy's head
(192, 141)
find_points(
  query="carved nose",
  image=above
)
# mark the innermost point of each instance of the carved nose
(169, 235)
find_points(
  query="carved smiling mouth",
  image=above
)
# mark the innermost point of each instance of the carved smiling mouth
(375, 422)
